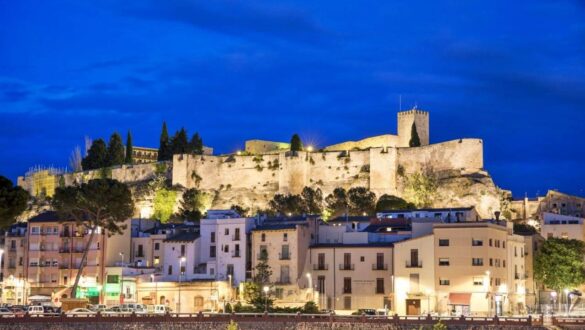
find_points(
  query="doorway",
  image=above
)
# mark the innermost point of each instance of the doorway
(412, 306)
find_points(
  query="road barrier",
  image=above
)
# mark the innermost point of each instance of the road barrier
(269, 317)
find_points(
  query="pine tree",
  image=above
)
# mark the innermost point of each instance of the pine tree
(97, 156)
(164, 151)
(196, 144)
(414, 139)
(295, 143)
(115, 150)
(129, 159)
(179, 143)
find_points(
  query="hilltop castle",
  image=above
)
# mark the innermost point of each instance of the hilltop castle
(385, 164)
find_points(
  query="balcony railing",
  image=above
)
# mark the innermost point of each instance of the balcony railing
(320, 267)
(139, 255)
(380, 267)
(236, 254)
(235, 237)
(414, 264)
(283, 281)
(262, 255)
(346, 266)
(380, 290)
(347, 290)
(284, 256)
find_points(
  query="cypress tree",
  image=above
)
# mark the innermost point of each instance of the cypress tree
(97, 156)
(115, 150)
(164, 152)
(129, 148)
(295, 143)
(414, 139)
(196, 144)
(179, 143)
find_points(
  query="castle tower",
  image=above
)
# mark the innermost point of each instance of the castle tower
(405, 120)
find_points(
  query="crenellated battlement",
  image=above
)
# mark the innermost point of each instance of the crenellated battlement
(413, 112)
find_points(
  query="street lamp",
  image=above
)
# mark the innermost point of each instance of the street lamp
(122, 277)
(311, 286)
(310, 148)
(230, 286)
(181, 261)
(155, 289)
(266, 289)
(567, 298)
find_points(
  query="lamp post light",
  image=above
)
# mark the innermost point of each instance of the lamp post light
(266, 289)
(230, 287)
(311, 286)
(181, 261)
(488, 286)
(122, 295)
(155, 289)
(567, 300)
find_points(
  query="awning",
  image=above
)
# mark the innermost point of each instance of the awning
(459, 298)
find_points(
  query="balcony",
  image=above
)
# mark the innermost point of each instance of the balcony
(64, 250)
(64, 266)
(235, 237)
(320, 267)
(380, 267)
(284, 256)
(262, 254)
(236, 254)
(347, 290)
(413, 264)
(139, 255)
(65, 233)
(283, 281)
(346, 267)
(380, 290)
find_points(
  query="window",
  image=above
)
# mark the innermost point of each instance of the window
(504, 263)
(498, 281)
(347, 285)
(476, 242)
(212, 251)
(230, 270)
(279, 293)
(321, 284)
(347, 261)
(444, 281)
(347, 302)
(285, 237)
(226, 248)
(182, 250)
(443, 242)
(263, 237)
(477, 261)
(362, 258)
(237, 251)
(490, 242)
(113, 279)
(321, 261)
(156, 260)
(156, 246)
(443, 261)
(504, 244)
(212, 237)
(491, 262)
(380, 285)
(170, 270)
(414, 283)
(226, 231)
(478, 281)
(35, 230)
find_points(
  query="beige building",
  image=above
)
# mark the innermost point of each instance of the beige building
(349, 277)
(194, 295)
(478, 268)
(562, 226)
(286, 243)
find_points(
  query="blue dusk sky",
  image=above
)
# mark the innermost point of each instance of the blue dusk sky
(509, 72)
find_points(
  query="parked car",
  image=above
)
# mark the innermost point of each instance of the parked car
(36, 310)
(158, 309)
(97, 308)
(5, 312)
(80, 311)
(365, 311)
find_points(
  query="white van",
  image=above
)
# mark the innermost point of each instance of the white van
(158, 309)
(35, 310)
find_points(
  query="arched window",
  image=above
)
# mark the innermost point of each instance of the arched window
(198, 303)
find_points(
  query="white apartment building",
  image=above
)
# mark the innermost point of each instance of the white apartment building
(225, 246)
(562, 226)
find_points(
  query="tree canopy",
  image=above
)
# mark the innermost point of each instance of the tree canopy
(193, 205)
(179, 143)
(97, 156)
(390, 202)
(196, 144)
(559, 264)
(295, 143)
(414, 139)
(99, 203)
(355, 201)
(13, 201)
(116, 154)
(253, 291)
(310, 201)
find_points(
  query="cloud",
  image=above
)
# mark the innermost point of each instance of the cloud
(234, 18)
